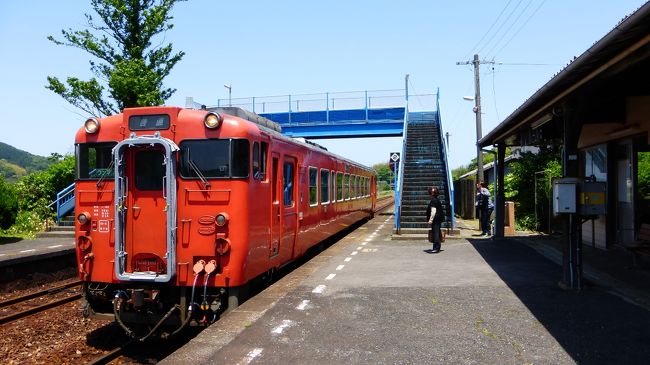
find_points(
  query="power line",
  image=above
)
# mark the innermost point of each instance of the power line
(489, 29)
(500, 27)
(520, 28)
(509, 28)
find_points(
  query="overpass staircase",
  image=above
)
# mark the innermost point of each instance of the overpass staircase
(425, 165)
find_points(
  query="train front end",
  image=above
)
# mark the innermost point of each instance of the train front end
(152, 232)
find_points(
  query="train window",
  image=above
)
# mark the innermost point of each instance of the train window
(240, 157)
(324, 186)
(333, 185)
(256, 161)
(215, 158)
(313, 186)
(260, 153)
(288, 184)
(150, 170)
(264, 152)
(148, 122)
(346, 186)
(94, 160)
(339, 186)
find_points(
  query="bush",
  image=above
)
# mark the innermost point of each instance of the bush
(8, 204)
(27, 224)
(529, 171)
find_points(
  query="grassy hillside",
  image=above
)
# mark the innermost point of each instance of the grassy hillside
(15, 163)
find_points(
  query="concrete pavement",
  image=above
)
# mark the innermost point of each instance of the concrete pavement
(370, 300)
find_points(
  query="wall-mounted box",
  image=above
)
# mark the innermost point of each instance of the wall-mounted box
(565, 195)
(592, 198)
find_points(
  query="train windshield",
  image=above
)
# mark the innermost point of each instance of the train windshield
(94, 160)
(215, 158)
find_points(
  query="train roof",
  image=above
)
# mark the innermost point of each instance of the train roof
(276, 130)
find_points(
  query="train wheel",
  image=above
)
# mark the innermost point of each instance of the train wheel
(236, 296)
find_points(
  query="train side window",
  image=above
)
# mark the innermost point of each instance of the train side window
(288, 185)
(333, 185)
(324, 186)
(346, 186)
(264, 153)
(313, 186)
(339, 186)
(256, 161)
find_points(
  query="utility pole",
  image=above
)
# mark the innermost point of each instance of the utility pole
(477, 110)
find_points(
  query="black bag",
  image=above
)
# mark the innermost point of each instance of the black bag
(431, 235)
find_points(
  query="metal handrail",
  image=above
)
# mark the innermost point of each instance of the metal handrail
(62, 197)
(445, 155)
(400, 173)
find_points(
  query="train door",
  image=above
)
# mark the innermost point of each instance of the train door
(289, 203)
(145, 194)
(276, 215)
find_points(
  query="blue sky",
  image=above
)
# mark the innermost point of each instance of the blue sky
(293, 47)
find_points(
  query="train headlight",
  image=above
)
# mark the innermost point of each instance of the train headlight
(213, 120)
(83, 218)
(91, 126)
(222, 219)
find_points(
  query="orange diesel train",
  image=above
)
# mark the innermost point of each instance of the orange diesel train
(179, 209)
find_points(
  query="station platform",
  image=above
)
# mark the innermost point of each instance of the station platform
(17, 251)
(368, 299)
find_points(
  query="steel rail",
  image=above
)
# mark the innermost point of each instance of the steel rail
(40, 308)
(41, 293)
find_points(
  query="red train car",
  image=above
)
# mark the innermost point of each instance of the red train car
(179, 209)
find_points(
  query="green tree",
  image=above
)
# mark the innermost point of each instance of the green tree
(384, 173)
(8, 204)
(128, 65)
(520, 186)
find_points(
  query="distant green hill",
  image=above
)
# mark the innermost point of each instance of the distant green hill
(15, 163)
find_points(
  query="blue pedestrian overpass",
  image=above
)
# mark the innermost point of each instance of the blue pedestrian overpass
(375, 113)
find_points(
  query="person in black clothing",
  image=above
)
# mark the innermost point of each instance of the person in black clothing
(435, 216)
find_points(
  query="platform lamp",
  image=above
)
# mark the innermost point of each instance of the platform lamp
(229, 87)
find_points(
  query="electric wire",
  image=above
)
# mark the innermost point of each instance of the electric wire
(521, 27)
(500, 27)
(507, 31)
(489, 29)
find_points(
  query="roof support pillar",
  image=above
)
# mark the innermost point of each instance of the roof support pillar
(571, 248)
(500, 196)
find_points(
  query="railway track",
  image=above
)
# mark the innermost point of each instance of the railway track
(33, 310)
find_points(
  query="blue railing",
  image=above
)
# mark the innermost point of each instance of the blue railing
(64, 202)
(445, 155)
(400, 172)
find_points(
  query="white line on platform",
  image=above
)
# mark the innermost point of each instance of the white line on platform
(340, 267)
(279, 329)
(358, 248)
(354, 253)
(302, 305)
(364, 243)
(55, 246)
(2, 254)
(251, 356)
(319, 289)
(25, 251)
(347, 259)
(330, 276)
(368, 239)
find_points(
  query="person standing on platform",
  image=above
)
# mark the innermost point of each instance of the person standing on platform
(435, 216)
(485, 207)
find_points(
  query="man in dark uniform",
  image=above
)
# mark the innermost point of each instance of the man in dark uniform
(435, 216)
